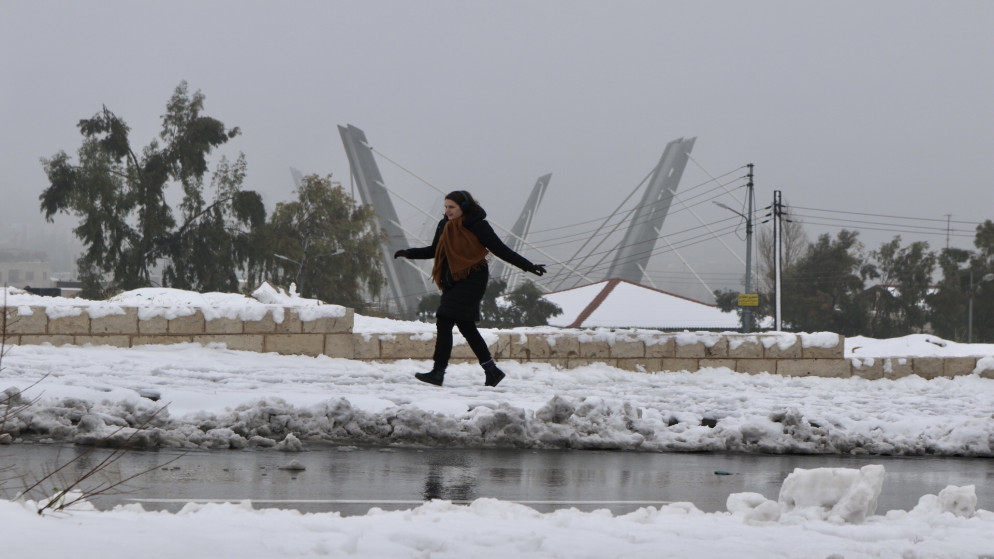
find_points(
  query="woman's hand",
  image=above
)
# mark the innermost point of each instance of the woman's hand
(399, 253)
(537, 269)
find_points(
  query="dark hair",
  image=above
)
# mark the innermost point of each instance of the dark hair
(464, 199)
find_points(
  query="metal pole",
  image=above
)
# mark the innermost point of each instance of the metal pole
(747, 312)
(969, 312)
(777, 230)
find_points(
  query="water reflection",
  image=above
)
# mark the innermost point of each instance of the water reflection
(400, 478)
(451, 477)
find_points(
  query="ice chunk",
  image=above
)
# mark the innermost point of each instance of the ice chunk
(753, 507)
(839, 495)
(961, 501)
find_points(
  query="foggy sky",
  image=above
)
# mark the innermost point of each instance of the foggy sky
(880, 107)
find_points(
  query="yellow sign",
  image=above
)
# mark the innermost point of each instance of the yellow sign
(748, 299)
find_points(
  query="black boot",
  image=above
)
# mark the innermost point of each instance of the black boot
(494, 375)
(435, 376)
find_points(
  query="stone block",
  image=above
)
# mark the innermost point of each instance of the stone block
(828, 368)
(163, 339)
(640, 364)
(501, 349)
(744, 347)
(237, 342)
(628, 349)
(563, 347)
(191, 324)
(339, 345)
(756, 366)
(534, 347)
(695, 350)
(870, 369)
(126, 323)
(718, 350)
(927, 367)
(34, 323)
(265, 325)
(836, 351)
(291, 323)
(153, 325)
(775, 348)
(679, 364)
(460, 350)
(594, 349)
(53, 339)
(410, 346)
(77, 324)
(661, 347)
(898, 367)
(330, 324)
(716, 363)
(294, 344)
(223, 325)
(959, 366)
(113, 340)
(365, 348)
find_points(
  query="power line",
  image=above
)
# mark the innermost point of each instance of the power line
(602, 218)
(583, 234)
(885, 216)
(897, 229)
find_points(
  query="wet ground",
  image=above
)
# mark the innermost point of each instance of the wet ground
(352, 480)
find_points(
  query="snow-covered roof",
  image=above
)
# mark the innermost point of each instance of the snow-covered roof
(617, 303)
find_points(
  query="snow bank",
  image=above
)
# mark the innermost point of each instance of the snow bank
(219, 398)
(174, 303)
(915, 345)
(940, 526)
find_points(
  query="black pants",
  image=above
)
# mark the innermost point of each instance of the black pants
(443, 341)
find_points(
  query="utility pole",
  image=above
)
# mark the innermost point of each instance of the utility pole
(777, 232)
(747, 311)
(748, 299)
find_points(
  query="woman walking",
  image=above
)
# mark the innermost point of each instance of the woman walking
(462, 241)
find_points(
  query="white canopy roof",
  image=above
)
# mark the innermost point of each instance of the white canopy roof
(617, 303)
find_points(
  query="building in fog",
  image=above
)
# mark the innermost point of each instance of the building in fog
(24, 268)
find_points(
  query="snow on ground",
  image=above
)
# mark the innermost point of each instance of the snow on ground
(219, 398)
(216, 398)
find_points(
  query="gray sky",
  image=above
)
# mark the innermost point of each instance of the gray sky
(879, 107)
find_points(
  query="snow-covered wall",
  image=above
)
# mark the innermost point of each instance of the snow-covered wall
(279, 329)
(274, 320)
(292, 329)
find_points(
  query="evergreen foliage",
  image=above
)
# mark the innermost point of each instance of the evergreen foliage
(324, 243)
(897, 306)
(119, 195)
(824, 289)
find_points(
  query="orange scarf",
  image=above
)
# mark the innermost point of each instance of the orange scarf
(460, 247)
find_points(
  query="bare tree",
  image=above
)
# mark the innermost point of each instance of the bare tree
(794, 244)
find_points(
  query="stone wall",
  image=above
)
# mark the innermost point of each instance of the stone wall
(782, 354)
(288, 335)
(785, 354)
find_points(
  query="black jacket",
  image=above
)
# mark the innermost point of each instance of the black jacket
(476, 222)
(461, 300)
